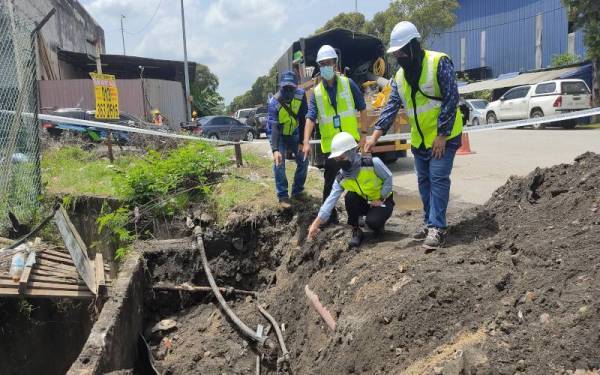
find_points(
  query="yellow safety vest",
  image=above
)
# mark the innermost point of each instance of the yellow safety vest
(345, 109)
(287, 122)
(423, 112)
(367, 183)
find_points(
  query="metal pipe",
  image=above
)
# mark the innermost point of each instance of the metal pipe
(185, 68)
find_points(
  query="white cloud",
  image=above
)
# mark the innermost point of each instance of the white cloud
(237, 39)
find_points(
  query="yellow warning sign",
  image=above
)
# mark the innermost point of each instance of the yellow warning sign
(107, 96)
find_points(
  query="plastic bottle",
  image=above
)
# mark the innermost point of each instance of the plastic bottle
(17, 266)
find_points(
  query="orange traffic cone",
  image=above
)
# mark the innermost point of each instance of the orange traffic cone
(465, 147)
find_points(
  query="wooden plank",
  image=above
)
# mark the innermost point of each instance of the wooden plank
(37, 271)
(26, 272)
(54, 271)
(41, 285)
(76, 247)
(56, 259)
(61, 254)
(47, 293)
(49, 279)
(58, 266)
(100, 280)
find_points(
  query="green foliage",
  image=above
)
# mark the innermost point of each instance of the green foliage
(564, 59)
(585, 14)
(483, 94)
(206, 100)
(430, 17)
(351, 21)
(25, 308)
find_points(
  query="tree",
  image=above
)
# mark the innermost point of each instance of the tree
(564, 59)
(351, 21)
(585, 14)
(207, 100)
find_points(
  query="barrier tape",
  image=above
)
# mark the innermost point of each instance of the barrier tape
(386, 138)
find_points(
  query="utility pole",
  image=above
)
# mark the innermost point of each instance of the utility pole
(122, 34)
(111, 156)
(185, 68)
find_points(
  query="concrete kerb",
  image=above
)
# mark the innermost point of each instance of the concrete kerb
(112, 343)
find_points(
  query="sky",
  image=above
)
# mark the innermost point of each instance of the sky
(238, 40)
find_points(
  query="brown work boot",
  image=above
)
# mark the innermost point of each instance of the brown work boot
(285, 203)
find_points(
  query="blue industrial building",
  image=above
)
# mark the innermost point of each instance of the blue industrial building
(493, 37)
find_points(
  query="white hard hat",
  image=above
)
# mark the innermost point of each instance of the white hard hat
(326, 52)
(402, 33)
(341, 143)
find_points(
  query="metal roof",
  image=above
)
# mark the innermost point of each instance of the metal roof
(517, 80)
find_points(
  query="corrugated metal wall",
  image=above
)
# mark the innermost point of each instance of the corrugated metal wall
(510, 28)
(167, 96)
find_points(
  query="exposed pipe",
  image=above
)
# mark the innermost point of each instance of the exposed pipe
(275, 325)
(194, 288)
(325, 314)
(247, 331)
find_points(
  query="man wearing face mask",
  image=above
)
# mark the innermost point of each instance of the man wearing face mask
(334, 101)
(368, 185)
(425, 86)
(286, 118)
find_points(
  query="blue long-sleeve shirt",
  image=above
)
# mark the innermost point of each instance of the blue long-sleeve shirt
(359, 99)
(336, 191)
(273, 125)
(450, 98)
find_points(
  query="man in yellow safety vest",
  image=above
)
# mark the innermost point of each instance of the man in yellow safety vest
(425, 86)
(333, 103)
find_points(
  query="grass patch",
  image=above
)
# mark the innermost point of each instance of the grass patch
(253, 185)
(71, 170)
(591, 126)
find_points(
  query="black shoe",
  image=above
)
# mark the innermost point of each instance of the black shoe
(357, 237)
(421, 233)
(436, 238)
(285, 202)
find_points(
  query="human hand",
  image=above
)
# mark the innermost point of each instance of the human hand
(306, 150)
(377, 203)
(438, 147)
(313, 230)
(369, 144)
(277, 158)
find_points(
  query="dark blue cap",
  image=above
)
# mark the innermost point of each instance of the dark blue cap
(288, 79)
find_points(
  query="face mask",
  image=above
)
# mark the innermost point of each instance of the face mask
(345, 164)
(404, 62)
(287, 93)
(327, 72)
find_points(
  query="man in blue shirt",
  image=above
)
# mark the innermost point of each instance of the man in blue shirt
(328, 63)
(432, 109)
(286, 119)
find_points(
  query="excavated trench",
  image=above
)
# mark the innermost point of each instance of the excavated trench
(515, 291)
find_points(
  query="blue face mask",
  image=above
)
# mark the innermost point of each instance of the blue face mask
(327, 72)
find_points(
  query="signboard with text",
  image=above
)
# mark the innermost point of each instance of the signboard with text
(107, 96)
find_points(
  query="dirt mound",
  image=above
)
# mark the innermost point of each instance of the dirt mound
(515, 291)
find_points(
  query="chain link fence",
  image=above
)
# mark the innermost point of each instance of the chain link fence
(20, 179)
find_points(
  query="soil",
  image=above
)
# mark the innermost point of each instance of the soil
(515, 291)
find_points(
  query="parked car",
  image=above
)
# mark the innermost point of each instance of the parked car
(225, 128)
(242, 114)
(543, 99)
(56, 129)
(258, 120)
(476, 111)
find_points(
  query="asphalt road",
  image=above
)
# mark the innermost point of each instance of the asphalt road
(500, 154)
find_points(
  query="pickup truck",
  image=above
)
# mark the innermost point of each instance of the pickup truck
(539, 100)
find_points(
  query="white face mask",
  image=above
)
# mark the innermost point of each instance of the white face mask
(327, 72)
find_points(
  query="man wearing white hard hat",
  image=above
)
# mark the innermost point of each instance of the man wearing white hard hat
(334, 103)
(425, 86)
(368, 185)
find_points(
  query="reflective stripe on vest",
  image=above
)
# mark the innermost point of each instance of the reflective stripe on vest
(366, 184)
(289, 124)
(345, 109)
(427, 110)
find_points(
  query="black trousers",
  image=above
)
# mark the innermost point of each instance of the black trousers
(331, 169)
(376, 217)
